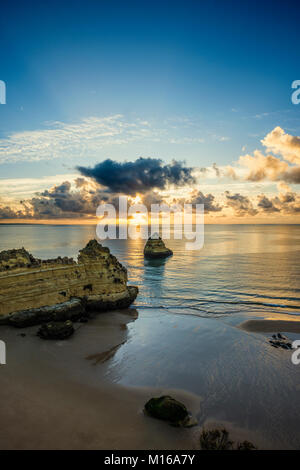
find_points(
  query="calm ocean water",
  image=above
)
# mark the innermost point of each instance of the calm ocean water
(240, 268)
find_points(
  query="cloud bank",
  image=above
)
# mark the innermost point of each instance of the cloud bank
(157, 182)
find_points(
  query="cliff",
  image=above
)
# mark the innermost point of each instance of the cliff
(155, 248)
(42, 290)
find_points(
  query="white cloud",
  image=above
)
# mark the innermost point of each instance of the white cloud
(21, 188)
(86, 137)
(284, 144)
(61, 140)
(260, 166)
(187, 140)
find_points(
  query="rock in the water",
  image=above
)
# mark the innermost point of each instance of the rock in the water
(155, 248)
(168, 409)
(35, 291)
(56, 330)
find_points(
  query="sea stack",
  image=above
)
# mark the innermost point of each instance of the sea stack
(155, 248)
(34, 291)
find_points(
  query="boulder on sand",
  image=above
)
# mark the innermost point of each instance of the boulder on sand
(56, 330)
(168, 409)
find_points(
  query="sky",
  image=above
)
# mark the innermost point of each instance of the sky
(184, 101)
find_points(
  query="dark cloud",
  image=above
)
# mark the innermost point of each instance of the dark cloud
(286, 203)
(287, 198)
(242, 205)
(197, 197)
(294, 209)
(61, 199)
(217, 170)
(140, 176)
(80, 182)
(61, 189)
(151, 198)
(266, 204)
(8, 213)
(59, 202)
(291, 176)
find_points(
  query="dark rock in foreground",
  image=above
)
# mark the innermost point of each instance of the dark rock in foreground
(168, 409)
(56, 330)
(155, 248)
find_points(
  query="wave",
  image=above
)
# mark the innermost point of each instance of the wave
(226, 302)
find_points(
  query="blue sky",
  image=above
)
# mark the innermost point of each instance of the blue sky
(196, 81)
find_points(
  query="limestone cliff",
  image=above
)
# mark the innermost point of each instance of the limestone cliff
(155, 248)
(55, 289)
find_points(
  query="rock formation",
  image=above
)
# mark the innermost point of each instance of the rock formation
(155, 248)
(34, 291)
(56, 330)
(168, 409)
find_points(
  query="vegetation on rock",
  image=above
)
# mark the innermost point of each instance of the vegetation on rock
(218, 439)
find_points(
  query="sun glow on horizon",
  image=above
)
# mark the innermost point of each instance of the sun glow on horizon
(137, 199)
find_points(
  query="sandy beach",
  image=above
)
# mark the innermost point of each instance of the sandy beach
(71, 394)
(47, 405)
(271, 326)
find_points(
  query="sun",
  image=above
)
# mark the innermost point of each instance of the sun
(138, 219)
(135, 200)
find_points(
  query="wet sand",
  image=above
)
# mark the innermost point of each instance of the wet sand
(46, 406)
(63, 414)
(88, 392)
(271, 326)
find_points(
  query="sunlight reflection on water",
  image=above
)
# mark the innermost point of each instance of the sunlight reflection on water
(240, 266)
